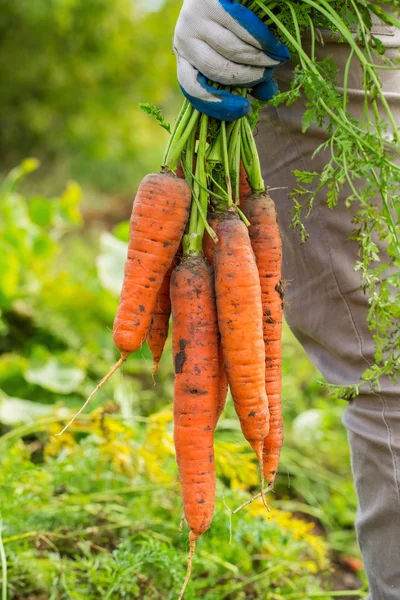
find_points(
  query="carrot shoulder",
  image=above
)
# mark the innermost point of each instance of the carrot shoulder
(245, 190)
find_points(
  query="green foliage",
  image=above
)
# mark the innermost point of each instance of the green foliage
(88, 516)
(56, 305)
(153, 111)
(86, 65)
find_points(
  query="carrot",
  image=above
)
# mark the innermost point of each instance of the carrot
(238, 294)
(245, 189)
(222, 383)
(266, 243)
(158, 220)
(158, 331)
(208, 243)
(195, 353)
(208, 250)
(159, 216)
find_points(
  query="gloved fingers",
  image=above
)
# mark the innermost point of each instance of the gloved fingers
(206, 98)
(227, 44)
(219, 69)
(265, 90)
(249, 28)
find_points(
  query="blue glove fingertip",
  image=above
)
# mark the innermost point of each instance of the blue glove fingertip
(219, 104)
(266, 90)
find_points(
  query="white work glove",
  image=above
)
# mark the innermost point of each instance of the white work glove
(225, 42)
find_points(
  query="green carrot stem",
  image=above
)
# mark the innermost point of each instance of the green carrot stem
(189, 157)
(384, 15)
(183, 110)
(341, 119)
(214, 153)
(182, 119)
(203, 216)
(234, 158)
(254, 174)
(245, 156)
(346, 78)
(243, 217)
(208, 191)
(225, 159)
(224, 198)
(193, 240)
(331, 14)
(182, 134)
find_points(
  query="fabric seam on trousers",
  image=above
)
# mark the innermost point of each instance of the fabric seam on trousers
(384, 408)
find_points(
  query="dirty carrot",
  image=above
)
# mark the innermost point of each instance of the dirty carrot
(208, 250)
(159, 216)
(238, 294)
(196, 366)
(267, 246)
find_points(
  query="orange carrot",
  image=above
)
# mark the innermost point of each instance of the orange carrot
(158, 331)
(208, 250)
(245, 190)
(266, 243)
(195, 354)
(208, 243)
(159, 216)
(222, 384)
(238, 294)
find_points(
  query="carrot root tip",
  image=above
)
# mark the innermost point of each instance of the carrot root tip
(263, 490)
(192, 540)
(115, 368)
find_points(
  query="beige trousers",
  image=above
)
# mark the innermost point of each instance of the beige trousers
(327, 311)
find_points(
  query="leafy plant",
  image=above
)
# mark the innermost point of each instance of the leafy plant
(88, 515)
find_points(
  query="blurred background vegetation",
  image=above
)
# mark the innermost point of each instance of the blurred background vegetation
(95, 513)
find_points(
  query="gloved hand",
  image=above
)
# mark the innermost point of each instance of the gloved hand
(225, 42)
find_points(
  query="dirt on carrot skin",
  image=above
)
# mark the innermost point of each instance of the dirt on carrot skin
(240, 319)
(196, 365)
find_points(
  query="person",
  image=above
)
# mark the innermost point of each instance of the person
(223, 42)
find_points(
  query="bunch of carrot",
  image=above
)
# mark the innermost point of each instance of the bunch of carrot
(205, 246)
